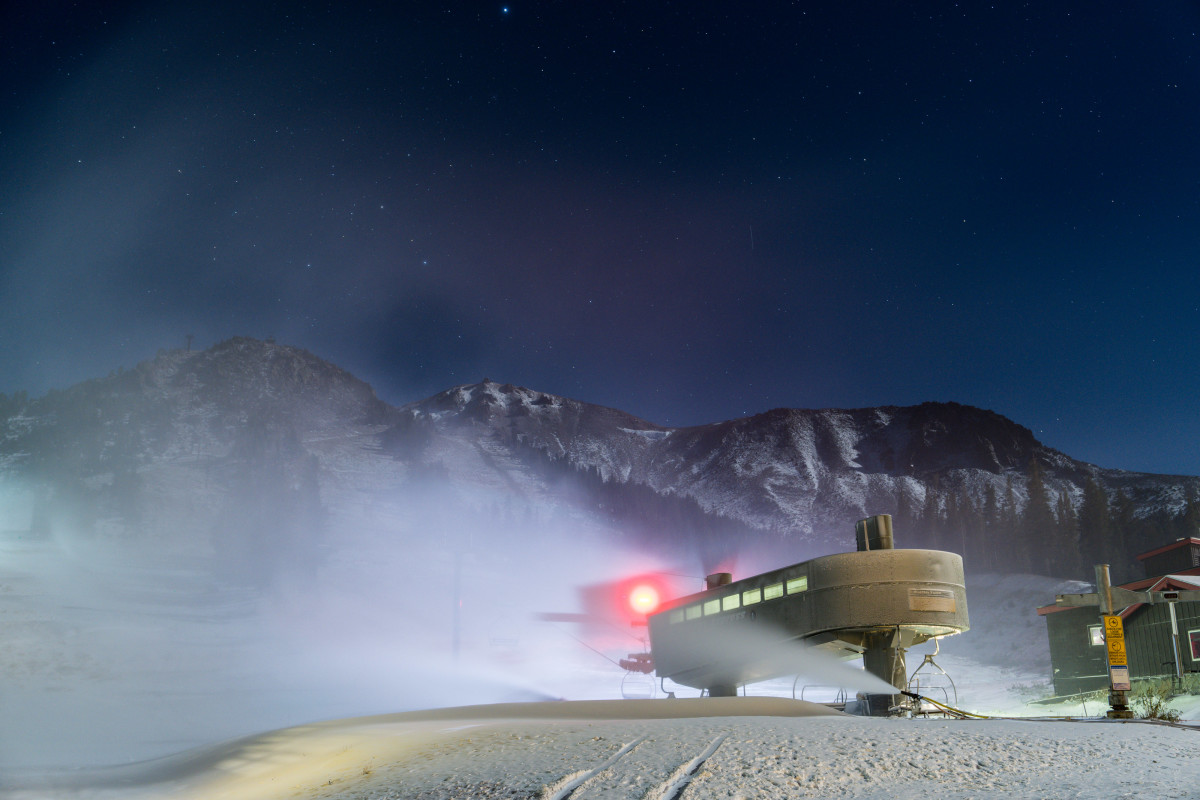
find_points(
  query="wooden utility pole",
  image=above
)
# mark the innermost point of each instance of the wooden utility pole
(1114, 642)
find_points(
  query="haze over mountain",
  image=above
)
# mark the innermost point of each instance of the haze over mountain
(264, 457)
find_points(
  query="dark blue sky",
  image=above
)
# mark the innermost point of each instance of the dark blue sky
(691, 211)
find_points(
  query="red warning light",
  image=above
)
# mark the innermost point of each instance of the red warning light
(644, 599)
(625, 602)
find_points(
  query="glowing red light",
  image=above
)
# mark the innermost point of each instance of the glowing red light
(643, 599)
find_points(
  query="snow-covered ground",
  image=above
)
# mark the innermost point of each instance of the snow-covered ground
(114, 658)
(762, 753)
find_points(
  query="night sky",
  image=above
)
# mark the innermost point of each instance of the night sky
(691, 211)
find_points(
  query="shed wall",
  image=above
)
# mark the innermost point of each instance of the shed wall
(1079, 666)
(1148, 639)
(1178, 559)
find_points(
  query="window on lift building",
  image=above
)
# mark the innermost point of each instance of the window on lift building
(797, 585)
(1194, 641)
(1096, 635)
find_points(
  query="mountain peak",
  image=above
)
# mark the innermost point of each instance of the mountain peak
(491, 401)
(263, 377)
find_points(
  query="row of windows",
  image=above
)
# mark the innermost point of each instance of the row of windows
(732, 602)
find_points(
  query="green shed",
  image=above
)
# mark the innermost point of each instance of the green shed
(1077, 651)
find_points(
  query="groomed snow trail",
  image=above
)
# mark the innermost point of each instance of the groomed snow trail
(747, 758)
(451, 757)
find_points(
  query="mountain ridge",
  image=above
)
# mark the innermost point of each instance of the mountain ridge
(193, 429)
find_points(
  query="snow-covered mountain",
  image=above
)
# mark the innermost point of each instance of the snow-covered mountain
(796, 471)
(803, 474)
(254, 449)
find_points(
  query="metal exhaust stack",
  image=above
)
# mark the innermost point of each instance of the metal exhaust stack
(718, 579)
(874, 533)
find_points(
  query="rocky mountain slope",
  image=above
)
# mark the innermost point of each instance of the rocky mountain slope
(253, 449)
(803, 474)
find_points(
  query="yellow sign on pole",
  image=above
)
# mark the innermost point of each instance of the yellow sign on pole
(1114, 636)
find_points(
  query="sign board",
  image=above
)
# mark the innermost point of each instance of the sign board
(931, 600)
(1120, 678)
(1114, 636)
(1116, 653)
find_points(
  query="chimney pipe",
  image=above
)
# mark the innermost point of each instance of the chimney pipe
(874, 533)
(718, 579)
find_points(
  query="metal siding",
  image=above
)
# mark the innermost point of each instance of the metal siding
(1148, 639)
(1176, 559)
(1078, 665)
(1188, 615)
